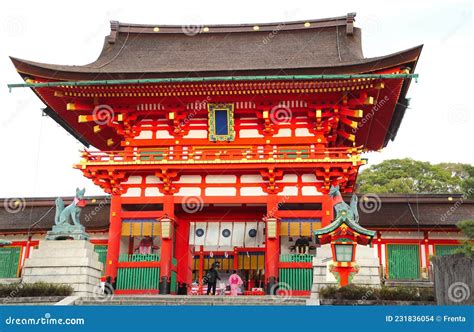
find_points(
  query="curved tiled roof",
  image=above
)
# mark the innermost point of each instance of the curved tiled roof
(394, 211)
(326, 46)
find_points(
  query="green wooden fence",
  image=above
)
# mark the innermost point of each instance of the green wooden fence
(297, 279)
(403, 261)
(142, 278)
(446, 250)
(101, 250)
(9, 260)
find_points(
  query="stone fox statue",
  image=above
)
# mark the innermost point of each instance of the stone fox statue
(340, 206)
(72, 211)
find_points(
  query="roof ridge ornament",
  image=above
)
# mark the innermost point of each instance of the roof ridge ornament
(114, 27)
(350, 23)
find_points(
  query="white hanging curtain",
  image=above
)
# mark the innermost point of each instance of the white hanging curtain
(261, 234)
(251, 232)
(212, 234)
(192, 235)
(238, 235)
(225, 234)
(200, 233)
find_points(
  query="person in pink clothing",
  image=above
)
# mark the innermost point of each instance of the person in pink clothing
(235, 282)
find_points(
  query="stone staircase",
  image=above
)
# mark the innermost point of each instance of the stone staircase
(192, 300)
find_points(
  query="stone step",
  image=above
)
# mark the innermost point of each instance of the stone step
(193, 300)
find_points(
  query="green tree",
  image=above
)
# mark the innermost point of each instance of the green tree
(467, 227)
(411, 176)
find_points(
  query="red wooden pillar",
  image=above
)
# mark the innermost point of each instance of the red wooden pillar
(115, 232)
(327, 208)
(272, 248)
(427, 253)
(201, 269)
(236, 259)
(182, 254)
(166, 255)
(27, 251)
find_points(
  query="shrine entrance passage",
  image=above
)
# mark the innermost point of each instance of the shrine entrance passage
(248, 262)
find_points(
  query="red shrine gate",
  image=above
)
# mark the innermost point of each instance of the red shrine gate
(216, 136)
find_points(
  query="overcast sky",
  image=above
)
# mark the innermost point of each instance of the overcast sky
(37, 154)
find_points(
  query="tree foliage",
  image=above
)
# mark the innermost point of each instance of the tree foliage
(410, 176)
(467, 227)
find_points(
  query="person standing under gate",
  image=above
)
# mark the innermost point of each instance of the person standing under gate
(212, 277)
(235, 282)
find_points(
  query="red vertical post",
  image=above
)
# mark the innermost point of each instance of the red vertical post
(236, 259)
(201, 268)
(272, 248)
(26, 251)
(182, 253)
(327, 209)
(115, 230)
(166, 254)
(379, 247)
(427, 253)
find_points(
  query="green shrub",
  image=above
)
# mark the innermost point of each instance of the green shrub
(34, 289)
(364, 293)
(328, 292)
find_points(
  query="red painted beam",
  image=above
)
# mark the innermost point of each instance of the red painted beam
(138, 264)
(295, 265)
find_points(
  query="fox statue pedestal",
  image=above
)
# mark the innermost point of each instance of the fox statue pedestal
(70, 262)
(66, 257)
(67, 231)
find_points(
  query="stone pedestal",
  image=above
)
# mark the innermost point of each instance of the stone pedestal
(71, 262)
(368, 275)
(67, 232)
